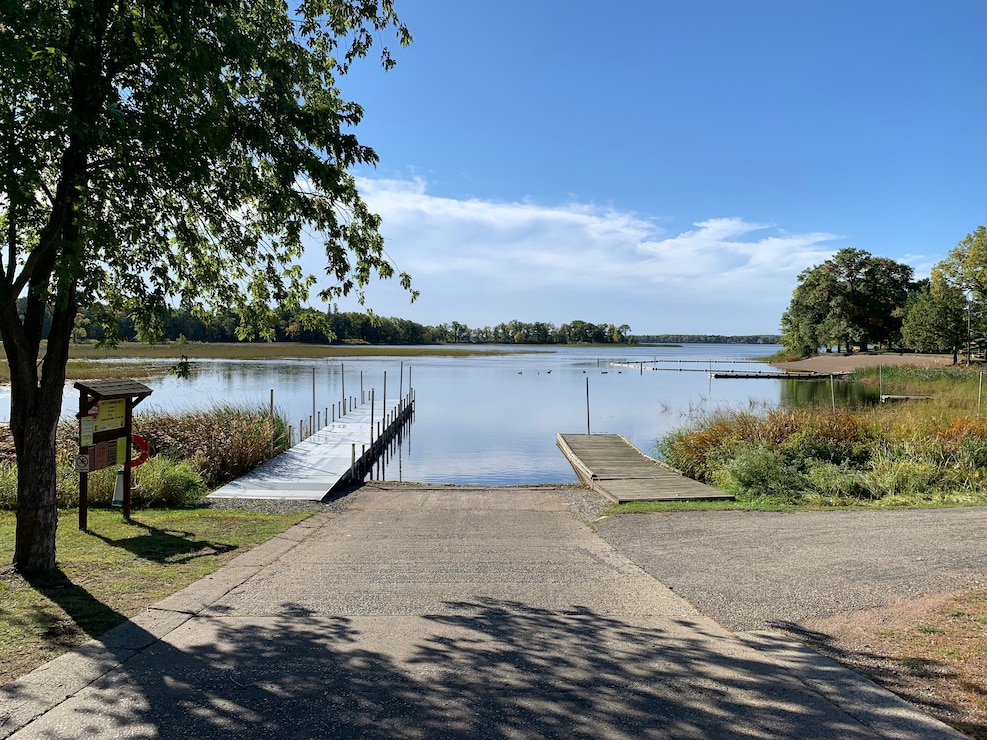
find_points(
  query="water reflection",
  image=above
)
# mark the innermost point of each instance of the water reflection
(826, 393)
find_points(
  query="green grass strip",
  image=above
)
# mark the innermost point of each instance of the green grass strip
(113, 572)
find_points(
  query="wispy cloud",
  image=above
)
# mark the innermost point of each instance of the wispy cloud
(485, 262)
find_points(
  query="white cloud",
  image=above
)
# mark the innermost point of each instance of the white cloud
(484, 262)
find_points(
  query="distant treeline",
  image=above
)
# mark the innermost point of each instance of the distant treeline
(338, 327)
(314, 327)
(706, 339)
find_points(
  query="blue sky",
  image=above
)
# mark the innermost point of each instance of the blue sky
(671, 165)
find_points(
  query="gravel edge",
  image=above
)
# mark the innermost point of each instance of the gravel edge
(583, 503)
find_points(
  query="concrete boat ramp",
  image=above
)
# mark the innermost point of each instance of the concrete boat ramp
(339, 453)
(445, 612)
(612, 466)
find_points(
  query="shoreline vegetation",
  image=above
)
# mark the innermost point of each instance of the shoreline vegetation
(91, 361)
(916, 453)
(139, 360)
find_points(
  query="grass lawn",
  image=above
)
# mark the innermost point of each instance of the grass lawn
(113, 572)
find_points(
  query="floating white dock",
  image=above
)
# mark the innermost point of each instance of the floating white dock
(312, 468)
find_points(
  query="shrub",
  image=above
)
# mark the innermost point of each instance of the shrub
(894, 475)
(805, 447)
(759, 472)
(162, 481)
(837, 484)
(915, 454)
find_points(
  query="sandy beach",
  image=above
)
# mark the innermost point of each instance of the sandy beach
(840, 363)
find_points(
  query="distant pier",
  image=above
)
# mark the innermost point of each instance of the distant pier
(791, 375)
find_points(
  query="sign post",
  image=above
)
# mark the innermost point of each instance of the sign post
(106, 415)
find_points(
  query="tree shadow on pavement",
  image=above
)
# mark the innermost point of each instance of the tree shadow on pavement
(484, 668)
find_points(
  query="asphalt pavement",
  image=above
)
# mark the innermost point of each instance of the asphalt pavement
(758, 570)
(445, 613)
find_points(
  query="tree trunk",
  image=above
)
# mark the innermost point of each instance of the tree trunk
(35, 408)
(37, 509)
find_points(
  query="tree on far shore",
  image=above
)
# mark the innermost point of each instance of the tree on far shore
(965, 267)
(850, 299)
(935, 319)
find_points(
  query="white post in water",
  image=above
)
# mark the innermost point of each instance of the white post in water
(342, 380)
(832, 390)
(587, 405)
(312, 417)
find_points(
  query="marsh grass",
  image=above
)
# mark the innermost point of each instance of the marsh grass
(88, 361)
(221, 443)
(952, 386)
(931, 453)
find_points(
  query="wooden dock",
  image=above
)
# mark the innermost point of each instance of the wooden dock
(791, 375)
(614, 467)
(889, 398)
(342, 452)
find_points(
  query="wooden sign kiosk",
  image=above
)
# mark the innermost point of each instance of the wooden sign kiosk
(106, 415)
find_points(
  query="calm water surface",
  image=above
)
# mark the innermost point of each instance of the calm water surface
(491, 418)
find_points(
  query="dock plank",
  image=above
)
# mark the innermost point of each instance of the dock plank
(611, 465)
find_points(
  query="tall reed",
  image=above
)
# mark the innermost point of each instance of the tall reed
(916, 453)
(221, 443)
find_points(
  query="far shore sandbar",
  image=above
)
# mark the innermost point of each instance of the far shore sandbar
(841, 363)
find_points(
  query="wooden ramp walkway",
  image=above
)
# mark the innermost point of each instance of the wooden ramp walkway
(611, 465)
(312, 468)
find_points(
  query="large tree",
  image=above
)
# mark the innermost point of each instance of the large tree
(166, 153)
(965, 267)
(936, 318)
(851, 298)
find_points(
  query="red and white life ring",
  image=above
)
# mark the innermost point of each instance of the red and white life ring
(142, 448)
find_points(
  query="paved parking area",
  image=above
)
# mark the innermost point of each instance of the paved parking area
(753, 570)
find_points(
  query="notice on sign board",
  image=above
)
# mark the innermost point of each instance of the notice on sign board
(109, 415)
(85, 431)
(101, 455)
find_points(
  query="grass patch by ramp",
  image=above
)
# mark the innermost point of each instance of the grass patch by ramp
(113, 572)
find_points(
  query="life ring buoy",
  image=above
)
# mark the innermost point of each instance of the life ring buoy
(143, 450)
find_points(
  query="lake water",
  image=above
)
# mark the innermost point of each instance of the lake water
(492, 418)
